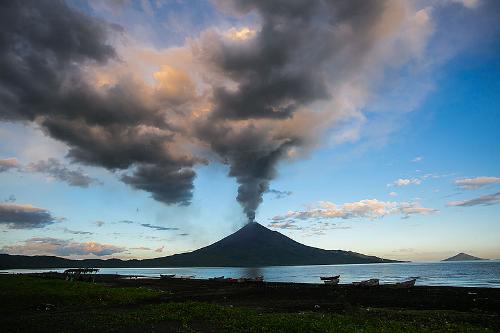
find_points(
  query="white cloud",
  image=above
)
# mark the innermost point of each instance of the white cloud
(9, 163)
(61, 247)
(368, 208)
(475, 183)
(417, 159)
(405, 182)
(290, 225)
(393, 194)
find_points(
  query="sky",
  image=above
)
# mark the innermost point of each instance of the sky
(139, 129)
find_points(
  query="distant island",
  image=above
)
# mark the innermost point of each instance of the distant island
(252, 245)
(462, 257)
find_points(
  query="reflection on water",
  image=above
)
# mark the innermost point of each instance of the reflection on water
(466, 274)
(252, 272)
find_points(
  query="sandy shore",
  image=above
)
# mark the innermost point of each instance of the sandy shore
(278, 296)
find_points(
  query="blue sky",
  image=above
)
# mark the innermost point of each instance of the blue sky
(401, 159)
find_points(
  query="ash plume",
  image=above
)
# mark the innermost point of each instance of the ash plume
(251, 99)
(284, 68)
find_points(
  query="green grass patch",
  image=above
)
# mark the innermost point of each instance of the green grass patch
(88, 307)
(203, 317)
(25, 292)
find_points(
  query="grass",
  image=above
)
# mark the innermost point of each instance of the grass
(25, 292)
(86, 307)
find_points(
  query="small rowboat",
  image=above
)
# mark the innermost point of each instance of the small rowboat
(167, 276)
(332, 281)
(255, 279)
(217, 278)
(326, 278)
(404, 284)
(367, 283)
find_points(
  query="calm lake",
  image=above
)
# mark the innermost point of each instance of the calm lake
(464, 273)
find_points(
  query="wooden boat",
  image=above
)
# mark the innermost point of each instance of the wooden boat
(332, 282)
(367, 283)
(326, 278)
(404, 284)
(167, 276)
(82, 274)
(217, 278)
(255, 279)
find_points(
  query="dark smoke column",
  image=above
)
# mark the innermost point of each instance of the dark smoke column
(293, 59)
(253, 171)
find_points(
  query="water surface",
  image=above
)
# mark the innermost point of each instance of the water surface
(484, 273)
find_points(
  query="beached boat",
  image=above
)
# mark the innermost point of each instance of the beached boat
(82, 274)
(332, 281)
(217, 278)
(404, 284)
(367, 283)
(255, 279)
(167, 276)
(326, 278)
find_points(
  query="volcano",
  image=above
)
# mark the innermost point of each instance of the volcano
(252, 245)
(462, 257)
(256, 245)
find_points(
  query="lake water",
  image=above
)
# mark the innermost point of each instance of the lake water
(465, 273)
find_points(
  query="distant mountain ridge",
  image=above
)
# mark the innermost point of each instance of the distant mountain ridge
(252, 245)
(462, 257)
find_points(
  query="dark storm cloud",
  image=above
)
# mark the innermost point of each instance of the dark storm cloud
(56, 169)
(285, 65)
(16, 216)
(169, 184)
(45, 49)
(158, 227)
(484, 200)
(41, 44)
(279, 194)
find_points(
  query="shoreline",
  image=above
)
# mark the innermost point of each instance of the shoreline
(306, 295)
(114, 303)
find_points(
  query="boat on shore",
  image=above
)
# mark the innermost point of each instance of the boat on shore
(404, 284)
(167, 276)
(217, 278)
(327, 278)
(332, 282)
(367, 283)
(254, 279)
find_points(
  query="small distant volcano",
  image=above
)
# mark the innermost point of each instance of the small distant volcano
(462, 257)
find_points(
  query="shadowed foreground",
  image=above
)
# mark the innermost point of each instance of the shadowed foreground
(31, 303)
